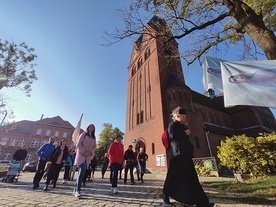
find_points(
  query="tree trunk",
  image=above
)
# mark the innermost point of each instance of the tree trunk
(254, 26)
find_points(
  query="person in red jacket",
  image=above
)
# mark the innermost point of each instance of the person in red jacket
(116, 157)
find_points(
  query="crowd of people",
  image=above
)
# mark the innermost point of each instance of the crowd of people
(52, 159)
(181, 181)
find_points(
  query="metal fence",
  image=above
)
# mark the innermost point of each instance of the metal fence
(206, 162)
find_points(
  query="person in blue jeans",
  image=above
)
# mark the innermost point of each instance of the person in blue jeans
(85, 151)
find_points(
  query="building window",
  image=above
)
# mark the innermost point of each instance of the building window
(29, 157)
(64, 135)
(56, 134)
(13, 142)
(141, 117)
(137, 118)
(48, 132)
(197, 142)
(147, 54)
(34, 143)
(38, 132)
(43, 142)
(7, 156)
(4, 141)
(152, 148)
(140, 62)
(133, 71)
(22, 142)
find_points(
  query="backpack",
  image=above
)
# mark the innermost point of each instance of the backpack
(165, 139)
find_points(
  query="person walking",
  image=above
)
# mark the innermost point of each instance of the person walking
(136, 164)
(182, 182)
(68, 166)
(116, 158)
(58, 158)
(85, 151)
(44, 154)
(142, 157)
(129, 158)
(105, 162)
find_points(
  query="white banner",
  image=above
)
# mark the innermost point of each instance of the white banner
(212, 73)
(76, 133)
(249, 83)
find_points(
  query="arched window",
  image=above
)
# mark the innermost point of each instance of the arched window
(147, 54)
(140, 62)
(152, 148)
(133, 71)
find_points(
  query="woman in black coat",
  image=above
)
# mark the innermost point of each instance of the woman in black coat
(58, 158)
(181, 182)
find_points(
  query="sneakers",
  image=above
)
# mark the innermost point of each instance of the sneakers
(132, 183)
(63, 181)
(77, 194)
(115, 190)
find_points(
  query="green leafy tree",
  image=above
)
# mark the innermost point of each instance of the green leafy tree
(203, 25)
(252, 155)
(106, 137)
(16, 66)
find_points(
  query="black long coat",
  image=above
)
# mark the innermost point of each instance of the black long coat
(181, 182)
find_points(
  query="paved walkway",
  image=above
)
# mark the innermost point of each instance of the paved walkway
(95, 193)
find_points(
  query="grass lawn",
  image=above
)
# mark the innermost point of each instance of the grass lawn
(248, 192)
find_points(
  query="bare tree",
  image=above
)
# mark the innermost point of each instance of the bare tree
(205, 24)
(16, 66)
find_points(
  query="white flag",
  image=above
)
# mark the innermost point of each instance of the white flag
(249, 83)
(76, 133)
(212, 73)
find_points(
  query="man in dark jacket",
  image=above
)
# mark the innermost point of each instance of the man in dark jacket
(44, 154)
(21, 154)
(129, 164)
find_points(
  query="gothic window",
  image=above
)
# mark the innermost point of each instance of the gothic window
(180, 95)
(153, 148)
(147, 54)
(133, 71)
(137, 118)
(140, 62)
(142, 117)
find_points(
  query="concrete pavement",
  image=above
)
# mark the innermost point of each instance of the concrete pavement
(95, 193)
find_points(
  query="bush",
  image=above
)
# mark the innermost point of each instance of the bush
(249, 154)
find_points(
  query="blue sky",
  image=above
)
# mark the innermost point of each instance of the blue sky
(75, 74)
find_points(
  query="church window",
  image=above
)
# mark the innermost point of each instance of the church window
(153, 148)
(133, 71)
(147, 54)
(141, 117)
(140, 62)
(197, 142)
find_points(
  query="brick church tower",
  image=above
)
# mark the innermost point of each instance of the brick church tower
(156, 86)
(153, 74)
